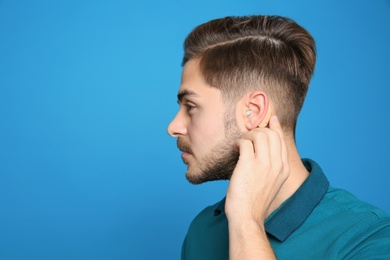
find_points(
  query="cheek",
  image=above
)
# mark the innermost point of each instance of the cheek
(207, 134)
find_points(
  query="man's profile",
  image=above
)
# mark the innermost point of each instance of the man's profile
(243, 85)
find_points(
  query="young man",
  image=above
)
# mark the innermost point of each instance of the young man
(243, 85)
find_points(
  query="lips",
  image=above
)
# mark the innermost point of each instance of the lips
(183, 147)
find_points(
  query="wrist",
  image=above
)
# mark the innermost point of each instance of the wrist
(248, 240)
(246, 226)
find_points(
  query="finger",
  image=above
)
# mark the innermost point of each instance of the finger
(260, 140)
(245, 148)
(275, 125)
(275, 147)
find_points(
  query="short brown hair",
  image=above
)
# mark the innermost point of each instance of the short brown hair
(270, 53)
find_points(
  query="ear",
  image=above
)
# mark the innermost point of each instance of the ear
(259, 106)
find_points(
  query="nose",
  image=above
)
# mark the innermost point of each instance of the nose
(177, 127)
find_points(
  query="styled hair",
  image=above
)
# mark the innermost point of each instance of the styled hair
(269, 53)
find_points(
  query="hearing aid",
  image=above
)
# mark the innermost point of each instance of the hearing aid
(266, 119)
(248, 113)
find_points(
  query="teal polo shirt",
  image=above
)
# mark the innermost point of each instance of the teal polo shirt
(316, 222)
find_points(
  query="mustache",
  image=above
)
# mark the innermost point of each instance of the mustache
(183, 146)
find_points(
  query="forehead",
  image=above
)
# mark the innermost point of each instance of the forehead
(194, 85)
(191, 74)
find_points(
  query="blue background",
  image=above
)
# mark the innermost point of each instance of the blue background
(87, 89)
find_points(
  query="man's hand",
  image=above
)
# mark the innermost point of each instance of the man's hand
(261, 170)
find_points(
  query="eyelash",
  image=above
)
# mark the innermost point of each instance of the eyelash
(189, 107)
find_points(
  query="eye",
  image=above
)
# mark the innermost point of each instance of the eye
(189, 107)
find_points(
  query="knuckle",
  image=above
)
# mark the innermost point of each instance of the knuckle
(286, 171)
(277, 166)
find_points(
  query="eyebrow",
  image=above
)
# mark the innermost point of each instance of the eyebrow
(184, 93)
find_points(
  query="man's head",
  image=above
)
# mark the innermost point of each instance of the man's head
(269, 53)
(229, 64)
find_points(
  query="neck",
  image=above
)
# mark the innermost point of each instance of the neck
(298, 175)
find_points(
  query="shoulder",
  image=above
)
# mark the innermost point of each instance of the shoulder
(339, 200)
(209, 212)
(364, 228)
(207, 236)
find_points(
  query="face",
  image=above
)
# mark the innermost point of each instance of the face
(205, 131)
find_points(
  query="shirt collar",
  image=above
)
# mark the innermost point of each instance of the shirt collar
(294, 211)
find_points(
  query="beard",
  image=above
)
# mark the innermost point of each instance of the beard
(221, 161)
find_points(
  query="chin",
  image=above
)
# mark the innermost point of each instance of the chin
(199, 178)
(193, 179)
